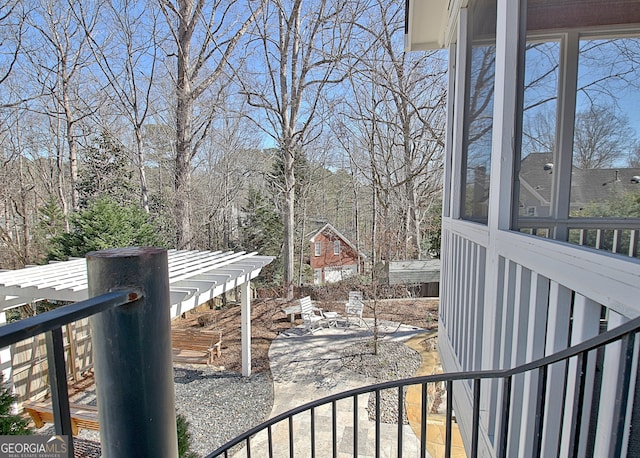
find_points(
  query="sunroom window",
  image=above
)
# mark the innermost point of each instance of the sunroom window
(476, 166)
(579, 162)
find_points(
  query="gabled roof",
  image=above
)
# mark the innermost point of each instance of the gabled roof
(329, 228)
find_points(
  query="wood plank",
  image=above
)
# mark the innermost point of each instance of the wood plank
(82, 416)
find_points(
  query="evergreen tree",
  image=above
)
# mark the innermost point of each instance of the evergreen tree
(51, 224)
(104, 224)
(262, 226)
(184, 438)
(107, 172)
(11, 424)
(262, 231)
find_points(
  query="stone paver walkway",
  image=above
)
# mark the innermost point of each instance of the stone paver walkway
(307, 367)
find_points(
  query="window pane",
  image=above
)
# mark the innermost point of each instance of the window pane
(479, 111)
(606, 155)
(538, 128)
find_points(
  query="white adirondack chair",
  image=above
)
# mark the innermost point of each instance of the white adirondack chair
(311, 316)
(353, 308)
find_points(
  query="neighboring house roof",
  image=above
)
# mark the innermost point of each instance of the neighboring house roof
(587, 185)
(329, 228)
(535, 178)
(414, 271)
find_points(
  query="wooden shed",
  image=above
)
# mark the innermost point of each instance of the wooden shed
(423, 276)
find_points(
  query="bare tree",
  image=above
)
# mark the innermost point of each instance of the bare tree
(12, 19)
(601, 138)
(205, 35)
(128, 58)
(395, 115)
(302, 44)
(62, 66)
(226, 163)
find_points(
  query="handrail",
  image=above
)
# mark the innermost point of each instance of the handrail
(47, 321)
(627, 329)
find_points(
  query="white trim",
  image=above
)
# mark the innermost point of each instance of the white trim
(476, 232)
(449, 142)
(606, 278)
(611, 368)
(557, 339)
(504, 114)
(585, 325)
(459, 119)
(565, 123)
(536, 332)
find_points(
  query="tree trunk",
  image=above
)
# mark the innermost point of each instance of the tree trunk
(184, 114)
(289, 221)
(144, 191)
(60, 181)
(302, 240)
(73, 154)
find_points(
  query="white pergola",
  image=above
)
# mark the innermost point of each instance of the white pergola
(194, 278)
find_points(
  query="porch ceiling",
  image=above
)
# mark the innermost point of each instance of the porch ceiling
(194, 278)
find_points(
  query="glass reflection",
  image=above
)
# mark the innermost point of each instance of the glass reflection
(479, 112)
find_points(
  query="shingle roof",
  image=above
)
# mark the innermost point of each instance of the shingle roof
(587, 185)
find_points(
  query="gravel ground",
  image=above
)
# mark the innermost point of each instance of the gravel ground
(220, 405)
(393, 361)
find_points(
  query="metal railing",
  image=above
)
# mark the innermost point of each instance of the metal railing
(50, 323)
(625, 333)
(130, 326)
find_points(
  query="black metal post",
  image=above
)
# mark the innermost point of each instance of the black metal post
(132, 355)
(58, 383)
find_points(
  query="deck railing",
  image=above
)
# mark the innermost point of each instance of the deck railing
(616, 235)
(625, 334)
(50, 323)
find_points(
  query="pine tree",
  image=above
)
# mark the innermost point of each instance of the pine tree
(262, 231)
(104, 224)
(10, 423)
(184, 438)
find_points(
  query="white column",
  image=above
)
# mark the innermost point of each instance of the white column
(245, 323)
(500, 192)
